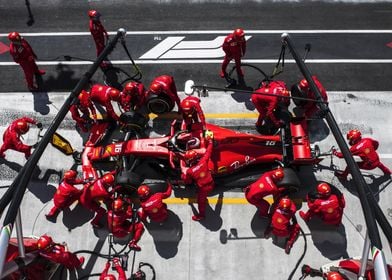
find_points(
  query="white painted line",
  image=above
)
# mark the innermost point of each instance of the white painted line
(162, 47)
(195, 54)
(179, 32)
(212, 61)
(211, 44)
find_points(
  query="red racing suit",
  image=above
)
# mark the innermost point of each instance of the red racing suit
(119, 269)
(91, 196)
(284, 224)
(267, 104)
(82, 120)
(169, 88)
(100, 94)
(11, 139)
(24, 55)
(366, 150)
(58, 253)
(99, 35)
(200, 175)
(329, 209)
(134, 100)
(197, 117)
(154, 207)
(264, 186)
(311, 108)
(233, 50)
(65, 195)
(120, 226)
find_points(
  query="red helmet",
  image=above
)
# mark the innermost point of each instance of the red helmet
(130, 87)
(156, 87)
(187, 106)
(353, 136)
(114, 94)
(118, 204)
(324, 189)
(238, 33)
(22, 127)
(333, 275)
(14, 36)
(303, 84)
(109, 277)
(190, 155)
(44, 242)
(70, 174)
(278, 174)
(84, 98)
(285, 204)
(108, 179)
(94, 14)
(143, 191)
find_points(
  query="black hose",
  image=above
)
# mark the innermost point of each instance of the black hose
(92, 253)
(300, 258)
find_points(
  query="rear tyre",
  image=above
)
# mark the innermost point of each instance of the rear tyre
(159, 104)
(290, 181)
(296, 91)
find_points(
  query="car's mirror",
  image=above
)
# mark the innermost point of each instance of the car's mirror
(189, 87)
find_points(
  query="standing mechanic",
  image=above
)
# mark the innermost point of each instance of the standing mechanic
(119, 224)
(165, 85)
(198, 173)
(23, 54)
(234, 47)
(117, 265)
(267, 100)
(152, 205)
(11, 137)
(93, 193)
(192, 114)
(264, 186)
(283, 223)
(58, 253)
(97, 31)
(133, 97)
(329, 207)
(66, 193)
(365, 148)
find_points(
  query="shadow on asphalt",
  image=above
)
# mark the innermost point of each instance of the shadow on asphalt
(65, 79)
(167, 235)
(242, 97)
(41, 102)
(76, 217)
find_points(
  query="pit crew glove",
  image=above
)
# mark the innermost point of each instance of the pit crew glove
(209, 135)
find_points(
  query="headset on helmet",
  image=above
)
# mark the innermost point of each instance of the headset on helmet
(22, 127)
(353, 136)
(130, 87)
(285, 204)
(14, 36)
(187, 106)
(70, 174)
(118, 204)
(324, 189)
(44, 242)
(93, 14)
(190, 155)
(114, 94)
(143, 191)
(238, 33)
(156, 87)
(108, 179)
(333, 275)
(278, 174)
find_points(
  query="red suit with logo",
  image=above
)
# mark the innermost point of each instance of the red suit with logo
(196, 117)
(329, 209)
(263, 187)
(267, 104)
(24, 55)
(100, 94)
(65, 195)
(154, 207)
(11, 138)
(284, 224)
(121, 274)
(134, 99)
(99, 35)
(366, 150)
(58, 253)
(169, 88)
(311, 108)
(92, 195)
(120, 226)
(82, 120)
(234, 49)
(200, 175)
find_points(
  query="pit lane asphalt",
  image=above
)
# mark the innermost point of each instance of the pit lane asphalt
(183, 249)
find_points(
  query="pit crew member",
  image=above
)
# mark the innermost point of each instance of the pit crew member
(97, 31)
(192, 114)
(117, 265)
(133, 96)
(165, 85)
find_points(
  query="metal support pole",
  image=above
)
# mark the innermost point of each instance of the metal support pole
(358, 179)
(365, 257)
(19, 235)
(20, 183)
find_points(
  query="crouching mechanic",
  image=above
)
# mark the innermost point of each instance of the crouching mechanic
(283, 223)
(11, 136)
(58, 253)
(66, 193)
(165, 85)
(327, 206)
(264, 186)
(365, 148)
(197, 172)
(117, 265)
(133, 97)
(120, 226)
(152, 205)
